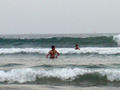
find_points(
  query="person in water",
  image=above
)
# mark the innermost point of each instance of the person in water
(53, 53)
(77, 47)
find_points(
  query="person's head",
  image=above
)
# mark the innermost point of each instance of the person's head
(76, 46)
(53, 47)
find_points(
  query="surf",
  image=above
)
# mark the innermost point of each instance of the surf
(63, 51)
(66, 74)
(65, 41)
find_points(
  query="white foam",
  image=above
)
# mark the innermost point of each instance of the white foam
(29, 74)
(117, 39)
(97, 50)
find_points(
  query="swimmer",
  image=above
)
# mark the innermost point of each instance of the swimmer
(77, 47)
(53, 53)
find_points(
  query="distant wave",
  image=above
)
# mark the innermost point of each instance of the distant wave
(96, 41)
(40, 75)
(117, 39)
(64, 51)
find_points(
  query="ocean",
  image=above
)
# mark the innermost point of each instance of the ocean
(97, 63)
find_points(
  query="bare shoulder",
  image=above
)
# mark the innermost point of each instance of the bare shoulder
(56, 51)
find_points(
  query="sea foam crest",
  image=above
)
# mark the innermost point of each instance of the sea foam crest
(30, 75)
(117, 39)
(87, 50)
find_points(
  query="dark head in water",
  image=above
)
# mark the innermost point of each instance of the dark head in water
(53, 47)
(77, 47)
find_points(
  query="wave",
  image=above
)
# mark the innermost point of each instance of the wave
(27, 75)
(64, 51)
(101, 41)
(117, 39)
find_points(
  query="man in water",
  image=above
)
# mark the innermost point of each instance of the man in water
(53, 53)
(77, 47)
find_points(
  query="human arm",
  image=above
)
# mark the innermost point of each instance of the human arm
(57, 54)
(47, 55)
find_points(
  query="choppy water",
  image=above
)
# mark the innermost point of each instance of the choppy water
(97, 63)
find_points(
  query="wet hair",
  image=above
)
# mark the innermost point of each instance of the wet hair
(76, 44)
(52, 46)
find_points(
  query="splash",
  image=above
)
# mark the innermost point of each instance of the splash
(64, 74)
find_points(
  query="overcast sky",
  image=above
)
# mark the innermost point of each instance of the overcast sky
(59, 16)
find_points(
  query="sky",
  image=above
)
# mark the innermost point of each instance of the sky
(59, 16)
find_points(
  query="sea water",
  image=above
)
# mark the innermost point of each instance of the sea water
(97, 63)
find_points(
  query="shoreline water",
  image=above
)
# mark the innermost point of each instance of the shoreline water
(48, 87)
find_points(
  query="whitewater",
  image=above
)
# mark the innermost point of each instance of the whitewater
(64, 74)
(87, 50)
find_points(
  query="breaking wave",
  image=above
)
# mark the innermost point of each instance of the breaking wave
(96, 41)
(64, 51)
(27, 75)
